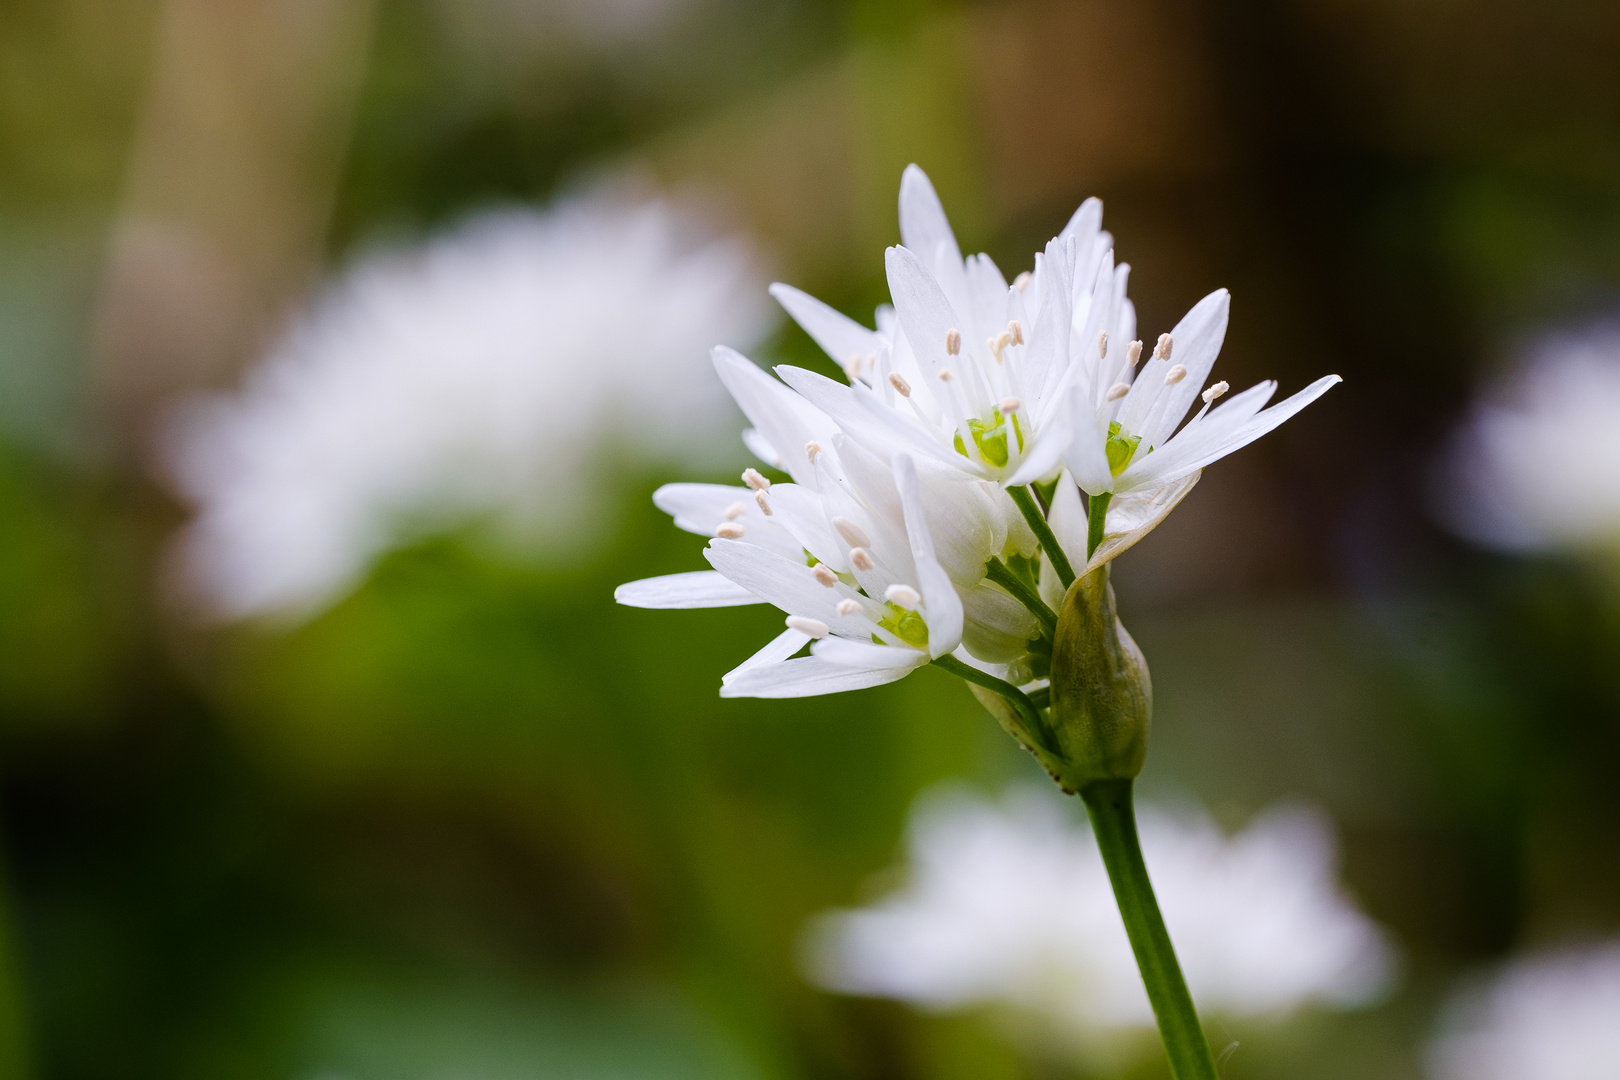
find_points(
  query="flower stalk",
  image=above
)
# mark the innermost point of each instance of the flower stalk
(1113, 820)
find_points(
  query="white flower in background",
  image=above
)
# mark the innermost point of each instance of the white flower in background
(970, 390)
(1536, 466)
(497, 370)
(1553, 1016)
(1009, 905)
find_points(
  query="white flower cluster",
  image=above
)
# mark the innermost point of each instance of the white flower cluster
(1548, 1016)
(908, 528)
(1009, 905)
(1496, 487)
(491, 371)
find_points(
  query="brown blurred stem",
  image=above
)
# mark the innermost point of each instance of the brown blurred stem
(1113, 819)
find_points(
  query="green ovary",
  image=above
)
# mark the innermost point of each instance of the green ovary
(1120, 448)
(991, 438)
(908, 626)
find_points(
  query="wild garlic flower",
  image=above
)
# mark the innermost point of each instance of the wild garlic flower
(968, 391)
(1007, 905)
(1494, 488)
(490, 372)
(1547, 1016)
(1006, 381)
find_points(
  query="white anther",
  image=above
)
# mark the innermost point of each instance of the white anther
(735, 510)
(1216, 391)
(900, 385)
(1009, 405)
(1102, 345)
(903, 596)
(1162, 349)
(849, 607)
(1134, 353)
(824, 574)
(946, 375)
(1175, 375)
(1117, 391)
(851, 532)
(1016, 332)
(813, 627)
(811, 449)
(1021, 281)
(997, 344)
(953, 341)
(861, 559)
(730, 530)
(753, 479)
(764, 503)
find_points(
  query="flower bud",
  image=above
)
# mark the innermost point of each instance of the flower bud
(1102, 699)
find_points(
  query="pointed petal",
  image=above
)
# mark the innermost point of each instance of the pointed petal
(944, 607)
(788, 585)
(866, 654)
(1197, 340)
(697, 589)
(839, 336)
(785, 419)
(779, 649)
(924, 227)
(1265, 421)
(1136, 514)
(807, 676)
(761, 447)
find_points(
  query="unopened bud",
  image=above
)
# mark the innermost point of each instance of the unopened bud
(1102, 698)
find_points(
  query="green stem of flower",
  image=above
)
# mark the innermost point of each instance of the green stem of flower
(1024, 499)
(998, 572)
(1096, 516)
(1027, 712)
(1113, 819)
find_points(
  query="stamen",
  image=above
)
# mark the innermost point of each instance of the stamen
(903, 595)
(1117, 391)
(997, 344)
(1216, 391)
(764, 503)
(861, 559)
(824, 574)
(1175, 375)
(735, 510)
(1102, 345)
(851, 532)
(1016, 331)
(945, 375)
(813, 627)
(1162, 350)
(1009, 405)
(953, 341)
(730, 530)
(1021, 282)
(811, 449)
(900, 385)
(755, 480)
(852, 366)
(1134, 353)
(849, 607)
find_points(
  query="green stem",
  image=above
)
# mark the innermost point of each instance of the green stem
(1096, 516)
(1113, 819)
(998, 572)
(1027, 712)
(1025, 501)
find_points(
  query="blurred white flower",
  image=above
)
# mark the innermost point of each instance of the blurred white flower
(1536, 466)
(493, 371)
(1009, 905)
(1552, 1016)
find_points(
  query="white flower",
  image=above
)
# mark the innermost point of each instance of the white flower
(1552, 1016)
(1009, 905)
(1537, 464)
(490, 371)
(1004, 381)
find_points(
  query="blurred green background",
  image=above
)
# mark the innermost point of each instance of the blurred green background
(475, 820)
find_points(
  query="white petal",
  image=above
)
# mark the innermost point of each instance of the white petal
(926, 313)
(697, 589)
(924, 227)
(786, 420)
(866, 654)
(839, 336)
(944, 607)
(1138, 513)
(807, 676)
(761, 447)
(780, 648)
(788, 585)
(864, 418)
(1196, 342)
(801, 513)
